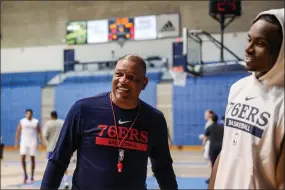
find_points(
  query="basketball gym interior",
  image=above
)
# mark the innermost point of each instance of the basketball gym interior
(54, 53)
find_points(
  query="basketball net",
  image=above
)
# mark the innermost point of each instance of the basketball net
(121, 42)
(179, 76)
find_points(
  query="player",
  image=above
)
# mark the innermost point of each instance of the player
(222, 121)
(29, 129)
(114, 133)
(252, 156)
(1, 149)
(208, 116)
(206, 142)
(51, 132)
(215, 134)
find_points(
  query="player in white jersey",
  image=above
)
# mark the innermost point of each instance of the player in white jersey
(30, 131)
(51, 133)
(252, 156)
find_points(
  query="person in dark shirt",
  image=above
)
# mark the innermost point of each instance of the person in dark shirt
(215, 134)
(222, 121)
(114, 134)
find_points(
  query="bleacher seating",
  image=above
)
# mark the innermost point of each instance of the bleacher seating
(190, 103)
(67, 94)
(27, 78)
(23, 91)
(14, 102)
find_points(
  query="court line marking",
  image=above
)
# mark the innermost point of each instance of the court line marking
(5, 163)
(151, 181)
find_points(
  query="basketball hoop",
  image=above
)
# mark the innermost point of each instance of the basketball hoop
(179, 39)
(179, 76)
(121, 42)
(69, 46)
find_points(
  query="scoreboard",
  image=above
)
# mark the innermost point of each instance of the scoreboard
(225, 7)
(127, 28)
(121, 28)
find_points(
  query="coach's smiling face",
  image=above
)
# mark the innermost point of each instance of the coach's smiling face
(128, 82)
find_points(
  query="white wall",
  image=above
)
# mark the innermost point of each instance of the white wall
(49, 58)
(236, 42)
(102, 52)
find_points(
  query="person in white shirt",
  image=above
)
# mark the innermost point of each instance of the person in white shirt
(51, 133)
(252, 155)
(29, 130)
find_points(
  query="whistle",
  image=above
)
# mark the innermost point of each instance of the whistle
(120, 166)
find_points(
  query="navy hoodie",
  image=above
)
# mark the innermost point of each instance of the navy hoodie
(89, 128)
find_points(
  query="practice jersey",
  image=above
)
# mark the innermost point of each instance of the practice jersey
(51, 132)
(29, 131)
(253, 134)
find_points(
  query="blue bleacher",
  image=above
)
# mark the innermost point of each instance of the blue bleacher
(27, 78)
(23, 90)
(68, 93)
(14, 102)
(190, 103)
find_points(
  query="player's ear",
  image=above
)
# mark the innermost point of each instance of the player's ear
(145, 82)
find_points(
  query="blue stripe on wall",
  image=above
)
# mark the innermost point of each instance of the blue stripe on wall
(14, 102)
(190, 103)
(27, 78)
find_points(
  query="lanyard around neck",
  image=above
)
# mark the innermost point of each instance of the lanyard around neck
(115, 122)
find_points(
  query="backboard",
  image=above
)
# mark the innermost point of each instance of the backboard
(121, 42)
(193, 53)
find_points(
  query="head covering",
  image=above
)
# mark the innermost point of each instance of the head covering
(275, 77)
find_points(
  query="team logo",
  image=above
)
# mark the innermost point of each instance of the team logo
(123, 122)
(129, 139)
(121, 155)
(235, 139)
(249, 98)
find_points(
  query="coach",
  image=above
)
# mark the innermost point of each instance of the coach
(114, 134)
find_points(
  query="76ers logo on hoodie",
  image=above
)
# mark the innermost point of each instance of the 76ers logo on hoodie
(247, 118)
(235, 139)
(135, 139)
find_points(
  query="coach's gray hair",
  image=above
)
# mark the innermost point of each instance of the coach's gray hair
(136, 59)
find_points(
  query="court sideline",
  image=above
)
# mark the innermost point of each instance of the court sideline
(190, 168)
